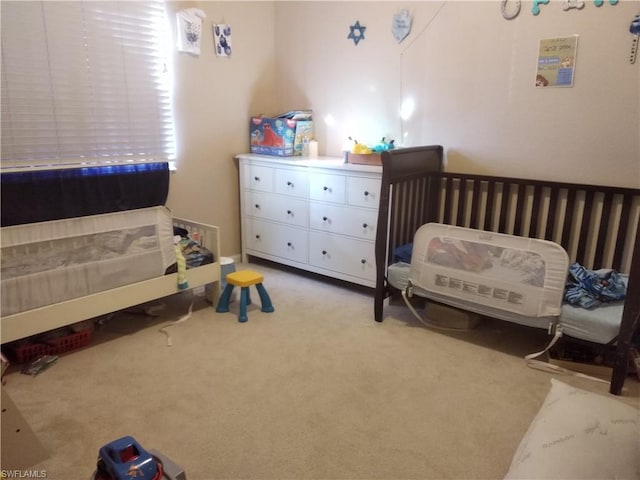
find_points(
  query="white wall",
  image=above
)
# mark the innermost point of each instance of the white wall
(471, 74)
(469, 71)
(213, 100)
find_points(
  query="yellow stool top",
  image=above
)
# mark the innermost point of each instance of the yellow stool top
(244, 278)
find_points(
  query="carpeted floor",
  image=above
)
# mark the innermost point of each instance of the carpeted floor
(315, 390)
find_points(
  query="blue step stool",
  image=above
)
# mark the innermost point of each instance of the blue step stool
(244, 279)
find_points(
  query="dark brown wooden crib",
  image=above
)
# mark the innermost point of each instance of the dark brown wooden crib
(597, 225)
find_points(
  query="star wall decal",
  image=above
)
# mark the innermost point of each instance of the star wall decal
(357, 32)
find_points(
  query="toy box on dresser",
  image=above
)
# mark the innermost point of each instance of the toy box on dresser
(284, 135)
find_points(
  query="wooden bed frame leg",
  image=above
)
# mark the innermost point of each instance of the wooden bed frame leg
(627, 333)
(629, 327)
(378, 307)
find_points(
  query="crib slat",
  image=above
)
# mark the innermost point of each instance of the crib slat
(568, 223)
(489, 209)
(475, 205)
(432, 199)
(449, 199)
(551, 215)
(422, 191)
(625, 219)
(521, 192)
(403, 212)
(462, 202)
(535, 211)
(504, 207)
(605, 225)
(584, 229)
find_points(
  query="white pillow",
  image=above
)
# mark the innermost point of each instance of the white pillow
(579, 435)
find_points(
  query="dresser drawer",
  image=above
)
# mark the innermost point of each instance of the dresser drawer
(267, 206)
(258, 177)
(344, 255)
(355, 222)
(363, 192)
(292, 182)
(276, 239)
(327, 187)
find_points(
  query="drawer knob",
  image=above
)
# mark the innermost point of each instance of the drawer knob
(289, 184)
(366, 194)
(363, 261)
(324, 252)
(257, 179)
(257, 205)
(289, 244)
(324, 219)
(364, 225)
(289, 212)
(258, 237)
(325, 188)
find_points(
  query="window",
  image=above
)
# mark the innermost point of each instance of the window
(84, 83)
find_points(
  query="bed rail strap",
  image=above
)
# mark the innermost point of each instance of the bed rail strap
(551, 368)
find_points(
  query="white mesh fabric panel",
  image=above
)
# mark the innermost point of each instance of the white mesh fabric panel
(49, 262)
(507, 272)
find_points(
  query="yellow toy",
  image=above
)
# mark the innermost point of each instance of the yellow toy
(359, 148)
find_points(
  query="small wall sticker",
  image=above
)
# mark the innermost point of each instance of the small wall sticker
(401, 25)
(512, 12)
(535, 9)
(357, 32)
(634, 29)
(569, 4)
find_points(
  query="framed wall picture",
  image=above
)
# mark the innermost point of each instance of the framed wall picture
(557, 62)
(190, 30)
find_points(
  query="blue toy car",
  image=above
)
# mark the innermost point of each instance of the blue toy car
(125, 459)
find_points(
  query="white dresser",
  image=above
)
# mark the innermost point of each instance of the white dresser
(318, 215)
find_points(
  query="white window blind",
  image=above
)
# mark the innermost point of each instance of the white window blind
(84, 82)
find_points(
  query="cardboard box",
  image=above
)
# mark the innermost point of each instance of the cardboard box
(594, 360)
(440, 315)
(281, 136)
(364, 159)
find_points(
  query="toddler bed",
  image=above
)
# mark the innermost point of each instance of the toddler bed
(76, 267)
(86, 282)
(597, 227)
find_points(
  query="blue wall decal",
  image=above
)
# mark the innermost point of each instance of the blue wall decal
(535, 9)
(357, 32)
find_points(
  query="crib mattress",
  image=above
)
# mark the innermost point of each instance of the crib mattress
(49, 262)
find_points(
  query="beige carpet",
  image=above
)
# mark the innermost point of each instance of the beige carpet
(316, 390)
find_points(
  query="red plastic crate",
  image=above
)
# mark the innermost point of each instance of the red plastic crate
(30, 351)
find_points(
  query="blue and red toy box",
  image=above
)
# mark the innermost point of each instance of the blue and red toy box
(282, 135)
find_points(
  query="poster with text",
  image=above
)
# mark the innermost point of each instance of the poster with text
(557, 62)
